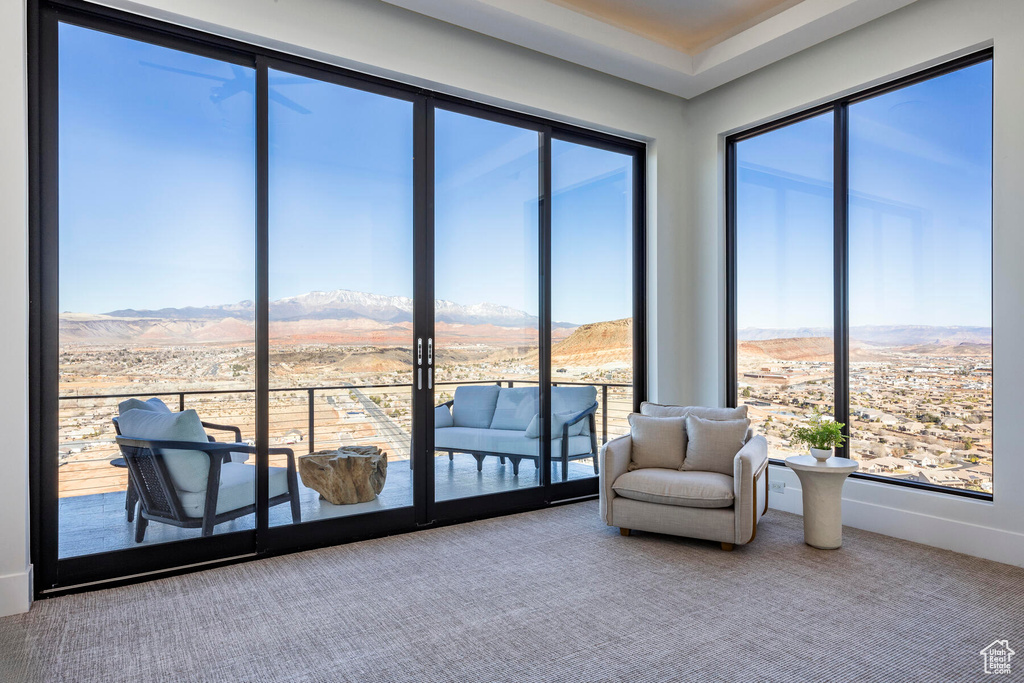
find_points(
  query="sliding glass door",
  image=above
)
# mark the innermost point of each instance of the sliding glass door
(486, 314)
(280, 305)
(340, 292)
(156, 275)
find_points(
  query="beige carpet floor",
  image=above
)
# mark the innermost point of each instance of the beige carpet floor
(552, 595)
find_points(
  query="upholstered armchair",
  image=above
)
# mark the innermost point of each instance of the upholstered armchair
(705, 493)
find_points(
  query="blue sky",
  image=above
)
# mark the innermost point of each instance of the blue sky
(157, 193)
(920, 211)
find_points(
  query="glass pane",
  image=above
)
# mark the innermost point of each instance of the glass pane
(157, 161)
(341, 223)
(591, 303)
(921, 281)
(486, 284)
(784, 278)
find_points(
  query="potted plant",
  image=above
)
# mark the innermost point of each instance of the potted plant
(821, 435)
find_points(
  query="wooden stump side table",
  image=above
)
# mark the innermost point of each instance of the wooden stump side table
(822, 482)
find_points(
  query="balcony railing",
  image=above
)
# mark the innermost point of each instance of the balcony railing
(318, 417)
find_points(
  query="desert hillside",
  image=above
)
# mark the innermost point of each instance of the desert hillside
(604, 344)
(790, 349)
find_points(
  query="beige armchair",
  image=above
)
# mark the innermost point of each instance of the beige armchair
(708, 505)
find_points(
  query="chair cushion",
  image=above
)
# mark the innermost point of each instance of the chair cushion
(474, 405)
(661, 410)
(573, 400)
(154, 404)
(502, 441)
(657, 441)
(672, 487)
(515, 408)
(188, 469)
(443, 417)
(558, 421)
(237, 489)
(713, 444)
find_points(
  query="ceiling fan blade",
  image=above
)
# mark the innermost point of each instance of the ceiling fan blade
(185, 72)
(291, 104)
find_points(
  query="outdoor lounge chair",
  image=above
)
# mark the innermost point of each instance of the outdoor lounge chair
(155, 404)
(188, 482)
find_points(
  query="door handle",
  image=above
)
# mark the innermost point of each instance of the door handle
(430, 351)
(419, 351)
(430, 378)
(419, 378)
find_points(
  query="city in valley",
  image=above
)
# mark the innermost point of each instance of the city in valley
(357, 371)
(919, 411)
(343, 362)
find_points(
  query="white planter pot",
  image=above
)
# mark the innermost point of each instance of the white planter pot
(821, 453)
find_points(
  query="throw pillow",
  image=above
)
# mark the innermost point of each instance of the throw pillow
(657, 441)
(154, 404)
(558, 421)
(443, 417)
(713, 444)
(188, 469)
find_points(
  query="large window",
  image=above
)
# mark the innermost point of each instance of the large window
(362, 306)
(887, 278)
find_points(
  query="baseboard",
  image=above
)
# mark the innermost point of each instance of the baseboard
(15, 592)
(1000, 545)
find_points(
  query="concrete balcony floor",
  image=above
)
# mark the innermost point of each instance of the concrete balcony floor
(97, 523)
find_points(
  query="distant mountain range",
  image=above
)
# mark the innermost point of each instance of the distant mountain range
(343, 304)
(884, 335)
(340, 317)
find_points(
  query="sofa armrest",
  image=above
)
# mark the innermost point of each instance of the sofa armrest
(750, 487)
(613, 462)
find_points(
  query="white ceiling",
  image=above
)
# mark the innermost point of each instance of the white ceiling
(684, 47)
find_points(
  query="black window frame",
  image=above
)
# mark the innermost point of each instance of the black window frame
(113, 568)
(840, 193)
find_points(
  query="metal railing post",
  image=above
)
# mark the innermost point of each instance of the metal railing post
(604, 413)
(181, 402)
(312, 419)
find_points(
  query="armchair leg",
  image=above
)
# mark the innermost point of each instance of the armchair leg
(624, 532)
(140, 527)
(131, 497)
(727, 547)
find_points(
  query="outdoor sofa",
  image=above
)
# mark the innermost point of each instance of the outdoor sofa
(488, 420)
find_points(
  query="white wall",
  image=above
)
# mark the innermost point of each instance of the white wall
(922, 34)
(373, 37)
(14, 556)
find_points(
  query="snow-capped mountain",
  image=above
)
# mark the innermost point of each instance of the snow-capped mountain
(343, 304)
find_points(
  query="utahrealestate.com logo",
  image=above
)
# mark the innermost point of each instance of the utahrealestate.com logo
(997, 657)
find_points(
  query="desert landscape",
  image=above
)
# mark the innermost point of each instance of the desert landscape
(920, 397)
(349, 354)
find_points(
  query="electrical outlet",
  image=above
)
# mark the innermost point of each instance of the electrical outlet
(778, 486)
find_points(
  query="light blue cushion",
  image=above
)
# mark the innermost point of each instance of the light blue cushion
(237, 489)
(443, 417)
(573, 400)
(502, 441)
(188, 469)
(474, 405)
(154, 404)
(557, 423)
(515, 408)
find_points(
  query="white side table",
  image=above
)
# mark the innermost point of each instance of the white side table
(822, 483)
